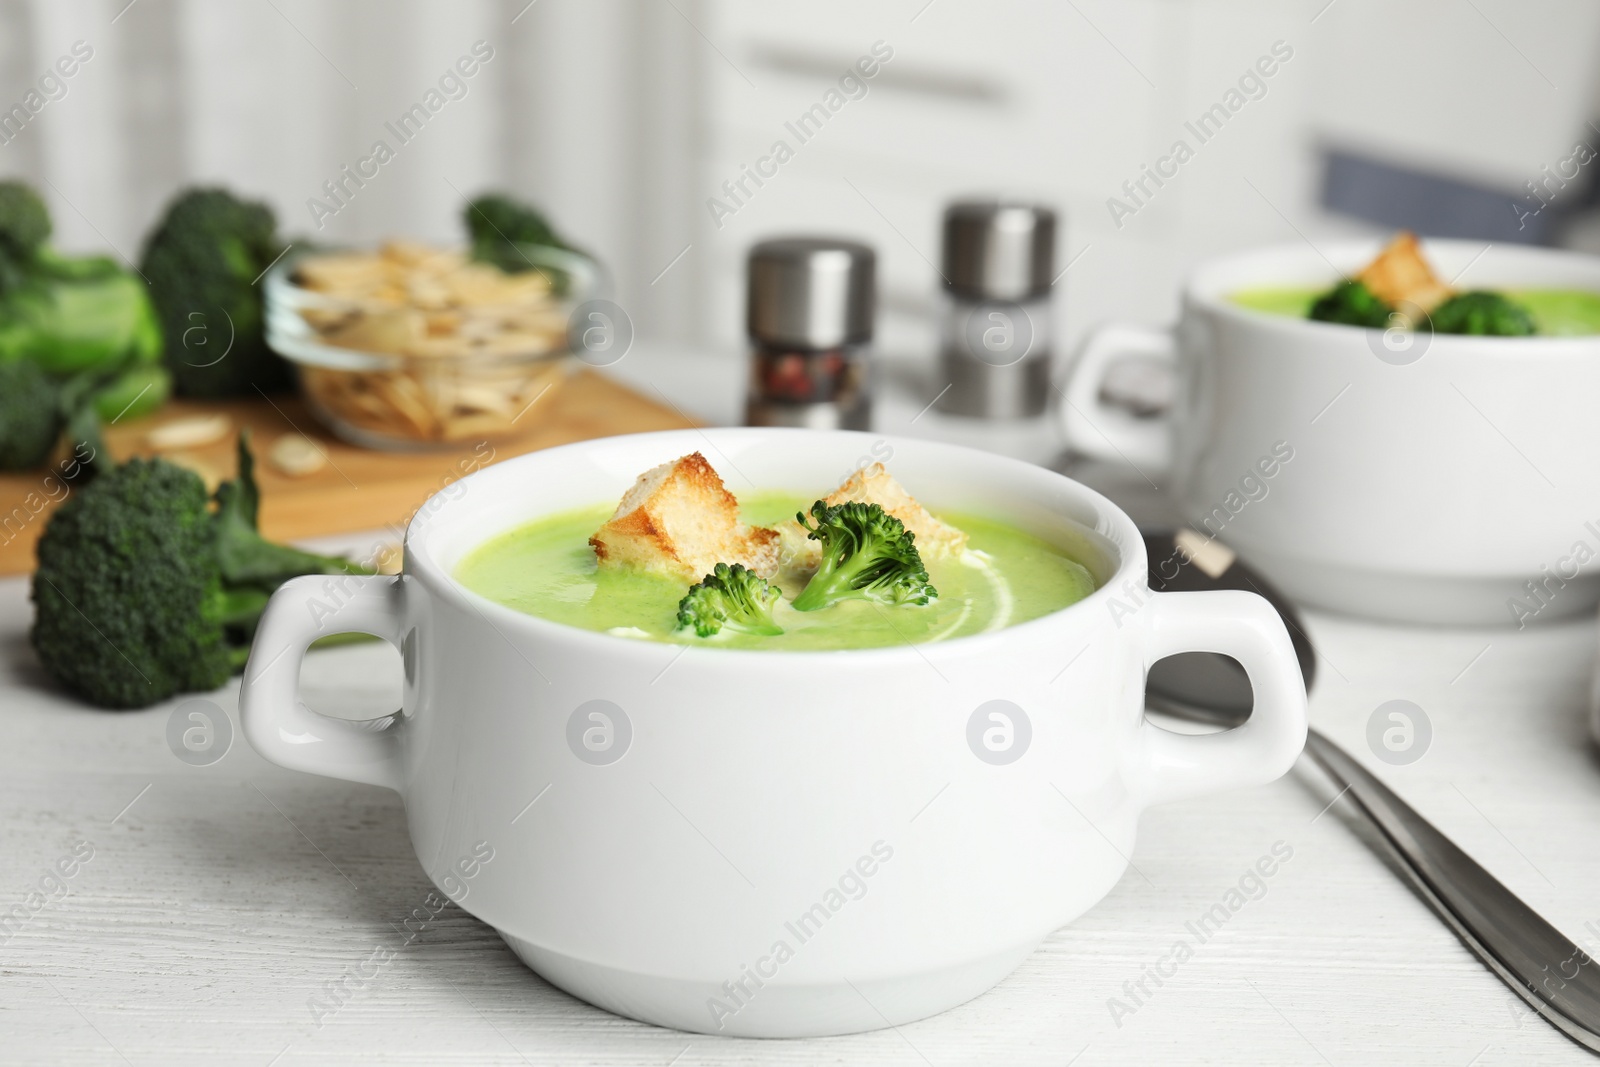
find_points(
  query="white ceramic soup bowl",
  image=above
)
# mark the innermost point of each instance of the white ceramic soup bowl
(1404, 476)
(769, 843)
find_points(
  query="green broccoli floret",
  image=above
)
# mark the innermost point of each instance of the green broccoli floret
(203, 260)
(1483, 313)
(35, 408)
(734, 597)
(867, 554)
(143, 591)
(24, 228)
(74, 372)
(501, 228)
(1352, 304)
(30, 415)
(497, 224)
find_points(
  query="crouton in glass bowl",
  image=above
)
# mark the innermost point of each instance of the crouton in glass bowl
(414, 346)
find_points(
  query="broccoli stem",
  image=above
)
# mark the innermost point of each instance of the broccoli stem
(834, 581)
(245, 556)
(241, 607)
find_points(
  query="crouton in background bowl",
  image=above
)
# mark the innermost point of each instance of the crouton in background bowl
(413, 346)
(770, 843)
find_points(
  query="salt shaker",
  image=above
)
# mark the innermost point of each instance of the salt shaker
(809, 316)
(996, 330)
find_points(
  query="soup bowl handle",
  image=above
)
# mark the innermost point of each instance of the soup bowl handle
(1104, 431)
(1170, 766)
(280, 726)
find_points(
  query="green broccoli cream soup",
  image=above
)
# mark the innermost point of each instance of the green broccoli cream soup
(1556, 312)
(547, 568)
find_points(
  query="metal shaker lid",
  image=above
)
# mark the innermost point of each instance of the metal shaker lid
(811, 292)
(998, 250)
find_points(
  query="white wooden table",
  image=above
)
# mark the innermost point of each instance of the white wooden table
(220, 899)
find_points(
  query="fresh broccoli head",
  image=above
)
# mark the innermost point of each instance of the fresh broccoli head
(867, 554)
(497, 224)
(1483, 313)
(203, 261)
(35, 409)
(30, 415)
(1351, 304)
(734, 597)
(144, 591)
(24, 228)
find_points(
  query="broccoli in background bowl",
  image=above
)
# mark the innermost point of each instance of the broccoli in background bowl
(1401, 283)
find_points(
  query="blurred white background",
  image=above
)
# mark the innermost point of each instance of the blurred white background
(622, 118)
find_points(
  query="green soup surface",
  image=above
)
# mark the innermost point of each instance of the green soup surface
(1556, 312)
(546, 568)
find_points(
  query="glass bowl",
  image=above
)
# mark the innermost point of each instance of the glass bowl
(430, 360)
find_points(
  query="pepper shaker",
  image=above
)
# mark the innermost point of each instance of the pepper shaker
(996, 333)
(809, 315)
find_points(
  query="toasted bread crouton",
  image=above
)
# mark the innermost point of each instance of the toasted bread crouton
(874, 485)
(679, 519)
(1400, 274)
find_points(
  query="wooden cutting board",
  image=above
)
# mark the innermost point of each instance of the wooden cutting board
(359, 488)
